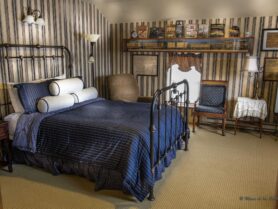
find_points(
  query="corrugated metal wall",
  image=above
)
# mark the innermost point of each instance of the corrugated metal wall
(216, 66)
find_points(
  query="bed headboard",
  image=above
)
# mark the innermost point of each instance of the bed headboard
(24, 63)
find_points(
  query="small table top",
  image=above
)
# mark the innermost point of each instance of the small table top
(250, 107)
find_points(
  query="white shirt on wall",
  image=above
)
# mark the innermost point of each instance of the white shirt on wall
(193, 77)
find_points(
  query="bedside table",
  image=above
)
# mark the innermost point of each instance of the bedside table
(253, 108)
(4, 138)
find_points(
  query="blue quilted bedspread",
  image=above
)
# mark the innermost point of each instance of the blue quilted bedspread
(111, 138)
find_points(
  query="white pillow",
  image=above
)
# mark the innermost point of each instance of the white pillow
(66, 86)
(85, 94)
(16, 103)
(53, 103)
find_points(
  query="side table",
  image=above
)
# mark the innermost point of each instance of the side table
(4, 138)
(253, 108)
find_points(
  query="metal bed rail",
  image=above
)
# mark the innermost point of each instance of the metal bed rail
(175, 99)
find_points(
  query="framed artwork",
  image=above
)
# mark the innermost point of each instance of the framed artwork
(190, 31)
(179, 29)
(271, 69)
(170, 31)
(203, 31)
(269, 40)
(217, 30)
(142, 31)
(234, 31)
(145, 65)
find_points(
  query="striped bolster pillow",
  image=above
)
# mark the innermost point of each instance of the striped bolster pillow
(54, 103)
(85, 94)
(66, 86)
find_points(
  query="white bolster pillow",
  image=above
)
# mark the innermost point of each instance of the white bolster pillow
(85, 94)
(66, 86)
(53, 103)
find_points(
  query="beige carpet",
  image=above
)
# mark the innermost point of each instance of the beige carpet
(232, 172)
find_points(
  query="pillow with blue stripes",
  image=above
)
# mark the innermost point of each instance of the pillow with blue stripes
(30, 93)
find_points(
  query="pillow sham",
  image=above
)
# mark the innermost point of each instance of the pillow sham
(66, 86)
(54, 103)
(13, 93)
(30, 93)
(85, 94)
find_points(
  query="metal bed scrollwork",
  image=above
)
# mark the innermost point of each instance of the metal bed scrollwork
(178, 100)
(59, 55)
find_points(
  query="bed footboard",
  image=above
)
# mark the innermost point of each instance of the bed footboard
(176, 95)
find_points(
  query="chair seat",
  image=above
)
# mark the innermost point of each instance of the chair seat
(209, 109)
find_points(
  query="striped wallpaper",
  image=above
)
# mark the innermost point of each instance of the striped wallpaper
(216, 66)
(66, 23)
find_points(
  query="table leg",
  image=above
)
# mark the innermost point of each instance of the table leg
(8, 152)
(236, 122)
(261, 127)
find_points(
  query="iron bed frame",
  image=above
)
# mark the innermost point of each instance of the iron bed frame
(159, 98)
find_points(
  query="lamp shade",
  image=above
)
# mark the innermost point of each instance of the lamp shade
(251, 64)
(91, 59)
(29, 19)
(40, 21)
(92, 37)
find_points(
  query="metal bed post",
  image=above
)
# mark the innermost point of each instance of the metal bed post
(156, 105)
(186, 112)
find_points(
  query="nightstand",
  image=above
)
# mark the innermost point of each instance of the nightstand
(4, 139)
(253, 108)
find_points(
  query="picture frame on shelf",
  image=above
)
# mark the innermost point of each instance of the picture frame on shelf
(142, 31)
(170, 31)
(217, 30)
(145, 65)
(203, 31)
(179, 28)
(269, 40)
(234, 31)
(156, 32)
(153, 32)
(191, 31)
(270, 72)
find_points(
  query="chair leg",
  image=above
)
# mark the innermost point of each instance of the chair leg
(194, 115)
(223, 126)
(198, 121)
(261, 127)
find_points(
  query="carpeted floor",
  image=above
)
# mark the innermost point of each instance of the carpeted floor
(232, 172)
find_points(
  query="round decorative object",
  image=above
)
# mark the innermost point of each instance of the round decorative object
(134, 34)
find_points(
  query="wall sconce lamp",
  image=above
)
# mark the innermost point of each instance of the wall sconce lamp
(251, 66)
(93, 39)
(33, 17)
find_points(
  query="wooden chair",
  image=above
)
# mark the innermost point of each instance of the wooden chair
(212, 102)
(124, 87)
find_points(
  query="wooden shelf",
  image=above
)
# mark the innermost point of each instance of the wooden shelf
(196, 45)
(188, 50)
(176, 39)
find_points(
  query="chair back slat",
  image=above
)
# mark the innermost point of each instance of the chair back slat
(213, 93)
